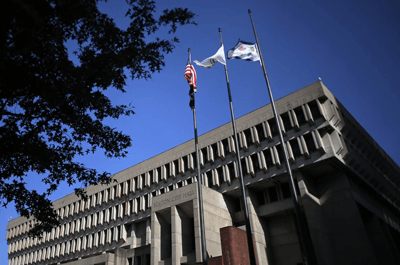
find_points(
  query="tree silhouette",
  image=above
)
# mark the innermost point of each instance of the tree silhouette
(52, 109)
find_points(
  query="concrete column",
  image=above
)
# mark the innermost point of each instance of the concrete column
(99, 198)
(105, 197)
(148, 231)
(257, 229)
(197, 231)
(155, 239)
(133, 235)
(315, 220)
(176, 234)
(334, 221)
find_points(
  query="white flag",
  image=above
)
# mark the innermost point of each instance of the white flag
(244, 50)
(210, 61)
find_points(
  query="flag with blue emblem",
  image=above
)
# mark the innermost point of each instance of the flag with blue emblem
(244, 50)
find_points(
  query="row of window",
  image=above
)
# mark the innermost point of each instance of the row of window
(99, 218)
(267, 130)
(260, 161)
(80, 244)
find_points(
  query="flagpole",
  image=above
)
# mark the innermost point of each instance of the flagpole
(199, 181)
(301, 222)
(242, 188)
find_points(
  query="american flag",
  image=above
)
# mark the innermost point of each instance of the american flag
(190, 76)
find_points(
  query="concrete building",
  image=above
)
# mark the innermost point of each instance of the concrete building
(348, 189)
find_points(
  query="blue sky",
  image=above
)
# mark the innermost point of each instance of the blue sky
(351, 45)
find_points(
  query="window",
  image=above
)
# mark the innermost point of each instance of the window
(220, 175)
(295, 148)
(260, 197)
(301, 118)
(285, 189)
(260, 132)
(272, 194)
(256, 165)
(209, 179)
(273, 126)
(314, 109)
(268, 157)
(310, 142)
(286, 121)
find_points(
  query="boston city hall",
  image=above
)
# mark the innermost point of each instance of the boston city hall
(348, 190)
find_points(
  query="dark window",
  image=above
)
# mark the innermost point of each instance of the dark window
(146, 201)
(237, 204)
(204, 152)
(225, 145)
(268, 157)
(286, 121)
(260, 197)
(280, 153)
(254, 159)
(220, 175)
(310, 142)
(243, 163)
(209, 179)
(301, 118)
(273, 127)
(215, 150)
(179, 184)
(272, 194)
(314, 109)
(285, 188)
(185, 163)
(143, 179)
(158, 174)
(260, 132)
(295, 148)
(231, 169)
(151, 176)
(194, 159)
(176, 166)
(189, 181)
(247, 135)
(167, 170)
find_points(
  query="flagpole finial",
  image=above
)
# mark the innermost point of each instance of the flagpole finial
(249, 11)
(219, 29)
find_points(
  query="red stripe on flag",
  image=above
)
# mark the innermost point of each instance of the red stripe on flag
(190, 76)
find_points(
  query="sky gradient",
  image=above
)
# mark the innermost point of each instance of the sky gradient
(351, 45)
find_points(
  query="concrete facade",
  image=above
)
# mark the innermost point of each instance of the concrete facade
(347, 185)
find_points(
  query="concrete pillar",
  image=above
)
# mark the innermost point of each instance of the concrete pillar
(133, 235)
(148, 231)
(176, 234)
(344, 226)
(155, 239)
(197, 231)
(257, 229)
(319, 232)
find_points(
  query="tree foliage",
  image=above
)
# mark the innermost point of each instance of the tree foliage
(51, 109)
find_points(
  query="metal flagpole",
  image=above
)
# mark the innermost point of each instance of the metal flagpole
(301, 222)
(242, 188)
(199, 181)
